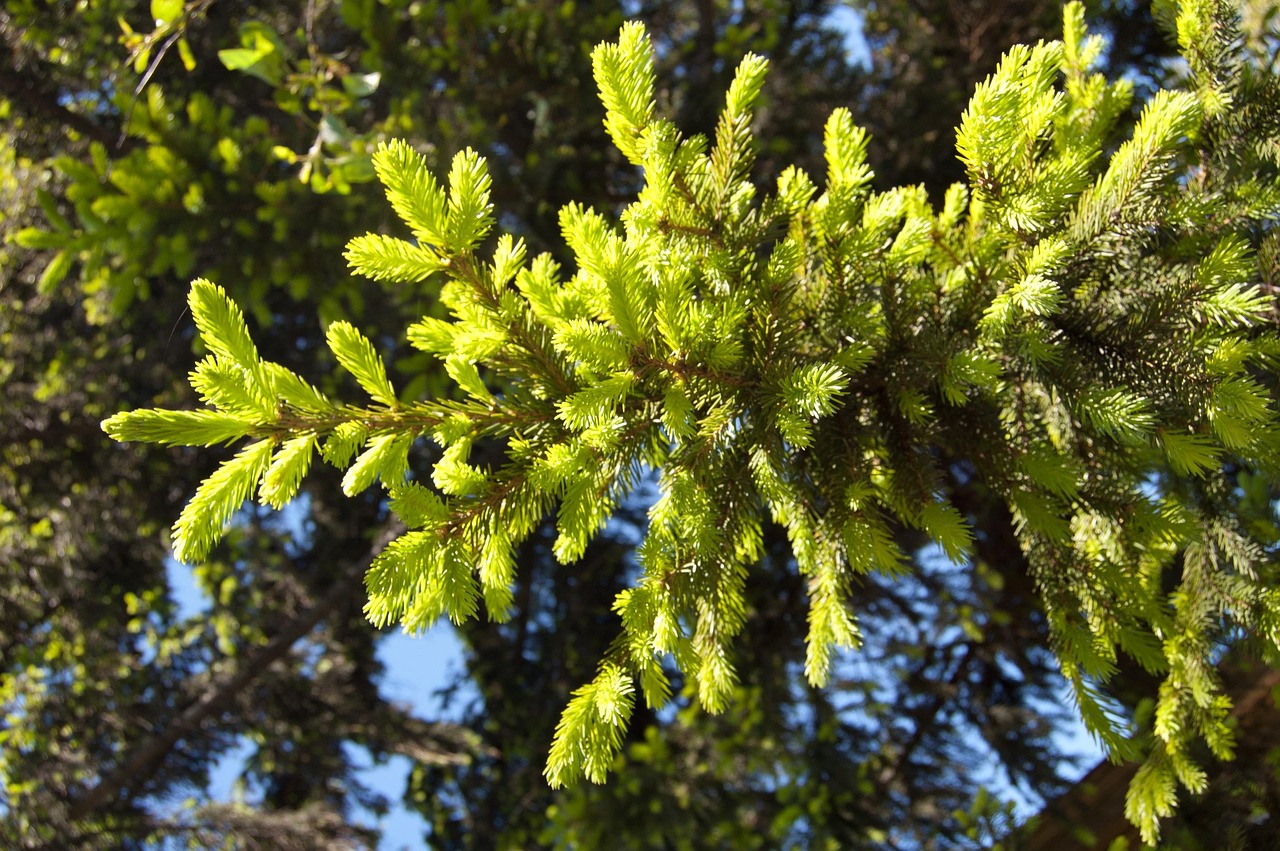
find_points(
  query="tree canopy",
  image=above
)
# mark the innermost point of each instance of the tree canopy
(773, 487)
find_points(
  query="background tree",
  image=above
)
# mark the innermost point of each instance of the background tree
(166, 172)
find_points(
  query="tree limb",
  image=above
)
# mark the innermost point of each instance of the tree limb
(32, 96)
(139, 764)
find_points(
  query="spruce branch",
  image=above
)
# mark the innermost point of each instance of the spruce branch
(1063, 329)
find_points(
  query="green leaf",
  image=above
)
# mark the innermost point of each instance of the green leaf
(244, 59)
(1238, 410)
(176, 428)
(968, 368)
(260, 53)
(227, 386)
(1152, 796)
(508, 260)
(465, 373)
(357, 355)
(584, 509)
(288, 468)
(597, 403)
(1033, 512)
(222, 326)
(55, 273)
(868, 545)
(590, 731)
(185, 54)
(412, 190)
(560, 464)
(416, 506)
(450, 589)
(397, 574)
(1191, 454)
(715, 676)
(343, 443)
(1008, 112)
(913, 406)
(1141, 164)
(845, 146)
(731, 159)
(470, 215)
(831, 622)
(1080, 51)
(49, 206)
(386, 457)
(433, 335)
(361, 85)
(496, 567)
(912, 243)
(385, 258)
(812, 390)
(202, 521)
(795, 189)
(748, 80)
(1037, 295)
(1117, 412)
(624, 74)
(166, 11)
(454, 476)
(678, 415)
(947, 527)
(37, 239)
(296, 392)
(596, 346)
(480, 341)
(1055, 473)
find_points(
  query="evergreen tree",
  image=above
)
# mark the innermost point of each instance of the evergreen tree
(1072, 350)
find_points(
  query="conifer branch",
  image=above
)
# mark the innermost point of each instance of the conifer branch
(824, 357)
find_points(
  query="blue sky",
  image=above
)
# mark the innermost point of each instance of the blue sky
(416, 668)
